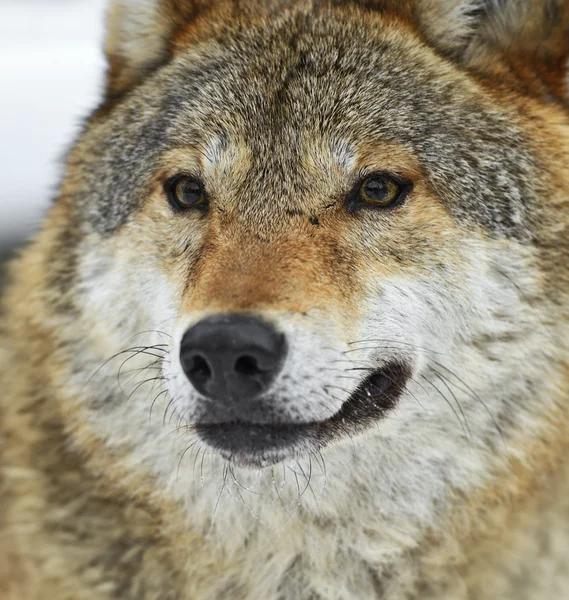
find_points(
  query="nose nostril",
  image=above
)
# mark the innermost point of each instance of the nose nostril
(198, 368)
(247, 365)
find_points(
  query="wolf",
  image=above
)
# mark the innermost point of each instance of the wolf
(296, 326)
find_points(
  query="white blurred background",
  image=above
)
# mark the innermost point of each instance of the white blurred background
(51, 73)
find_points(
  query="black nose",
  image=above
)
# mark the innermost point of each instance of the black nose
(232, 357)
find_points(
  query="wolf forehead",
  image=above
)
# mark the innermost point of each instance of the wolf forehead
(276, 89)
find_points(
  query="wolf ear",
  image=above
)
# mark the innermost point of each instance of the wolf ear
(140, 37)
(137, 41)
(525, 39)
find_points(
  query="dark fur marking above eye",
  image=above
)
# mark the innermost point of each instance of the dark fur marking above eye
(314, 221)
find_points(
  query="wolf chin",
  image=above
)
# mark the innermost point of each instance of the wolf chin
(296, 325)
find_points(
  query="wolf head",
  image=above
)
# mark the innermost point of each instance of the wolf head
(317, 232)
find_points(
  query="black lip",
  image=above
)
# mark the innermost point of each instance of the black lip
(258, 445)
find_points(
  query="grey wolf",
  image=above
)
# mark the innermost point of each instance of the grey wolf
(296, 326)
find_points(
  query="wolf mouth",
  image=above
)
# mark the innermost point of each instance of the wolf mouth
(262, 445)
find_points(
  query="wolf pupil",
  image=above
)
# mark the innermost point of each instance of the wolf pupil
(376, 189)
(189, 192)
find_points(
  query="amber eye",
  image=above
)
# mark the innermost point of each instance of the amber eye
(381, 190)
(185, 192)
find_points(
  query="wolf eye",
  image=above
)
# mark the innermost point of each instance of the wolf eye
(380, 190)
(186, 192)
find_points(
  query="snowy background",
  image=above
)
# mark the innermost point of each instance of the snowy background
(51, 73)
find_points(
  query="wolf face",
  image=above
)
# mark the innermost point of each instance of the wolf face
(311, 233)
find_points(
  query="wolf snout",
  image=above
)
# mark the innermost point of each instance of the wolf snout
(232, 360)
